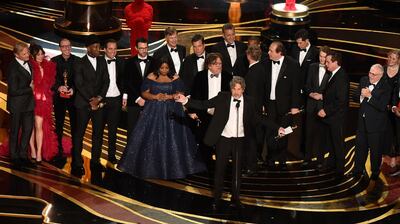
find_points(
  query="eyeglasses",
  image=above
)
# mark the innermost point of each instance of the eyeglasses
(216, 63)
(373, 74)
(65, 46)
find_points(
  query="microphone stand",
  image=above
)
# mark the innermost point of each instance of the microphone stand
(236, 148)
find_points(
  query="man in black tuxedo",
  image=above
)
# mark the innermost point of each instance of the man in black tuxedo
(91, 83)
(20, 104)
(193, 63)
(255, 88)
(207, 84)
(233, 52)
(282, 97)
(317, 79)
(305, 54)
(113, 100)
(255, 41)
(231, 130)
(333, 111)
(172, 49)
(136, 70)
(64, 90)
(374, 94)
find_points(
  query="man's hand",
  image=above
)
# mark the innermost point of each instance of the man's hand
(141, 102)
(62, 89)
(281, 132)
(193, 116)
(294, 111)
(365, 92)
(321, 113)
(180, 98)
(94, 102)
(318, 96)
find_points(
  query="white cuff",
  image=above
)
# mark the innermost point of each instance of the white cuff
(125, 96)
(186, 101)
(139, 98)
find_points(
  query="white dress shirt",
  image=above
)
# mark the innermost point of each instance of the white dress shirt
(321, 74)
(113, 90)
(276, 68)
(303, 54)
(93, 61)
(200, 62)
(231, 128)
(175, 59)
(253, 63)
(214, 87)
(232, 52)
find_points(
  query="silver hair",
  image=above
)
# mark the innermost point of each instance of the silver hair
(379, 67)
(237, 80)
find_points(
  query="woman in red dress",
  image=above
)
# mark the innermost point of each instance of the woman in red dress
(43, 133)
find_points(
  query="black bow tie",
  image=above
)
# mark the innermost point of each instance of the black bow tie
(236, 100)
(174, 49)
(142, 60)
(305, 50)
(230, 45)
(91, 56)
(111, 60)
(276, 62)
(25, 62)
(212, 75)
(198, 57)
(372, 84)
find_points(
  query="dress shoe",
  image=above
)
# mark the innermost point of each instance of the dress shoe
(28, 163)
(97, 167)
(112, 160)
(248, 173)
(215, 204)
(236, 204)
(77, 171)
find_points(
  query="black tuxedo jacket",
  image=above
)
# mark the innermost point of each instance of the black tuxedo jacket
(163, 51)
(222, 103)
(374, 110)
(200, 88)
(313, 86)
(62, 66)
(120, 71)
(89, 82)
(188, 71)
(239, 68)
(19, 93)
(312, 56)
(256, 83)
(336, 98)
(287, 90)
(133, 77)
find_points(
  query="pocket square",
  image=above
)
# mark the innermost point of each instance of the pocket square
(285, 77)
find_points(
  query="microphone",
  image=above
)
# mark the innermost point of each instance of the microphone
(237, 102)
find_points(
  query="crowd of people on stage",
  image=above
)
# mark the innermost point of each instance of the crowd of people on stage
(233, 101)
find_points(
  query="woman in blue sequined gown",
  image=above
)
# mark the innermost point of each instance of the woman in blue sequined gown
(161, 146)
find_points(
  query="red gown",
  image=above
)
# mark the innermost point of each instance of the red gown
(44, 105)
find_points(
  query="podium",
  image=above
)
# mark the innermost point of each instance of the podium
(85, 17)
(285, 23)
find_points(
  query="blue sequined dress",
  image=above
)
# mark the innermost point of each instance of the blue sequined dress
(161, 146)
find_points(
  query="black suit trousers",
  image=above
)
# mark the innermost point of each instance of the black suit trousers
(82, 119)
(335, 144)
(372, 141)
(225, 148)
(23, 121)
(313, 139)
(112, 115)
(61, 105)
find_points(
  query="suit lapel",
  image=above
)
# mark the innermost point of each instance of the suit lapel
(137, 64)
(225, 55)
(23, 70)
(283, 68)
(205, 85)
(146, 68)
